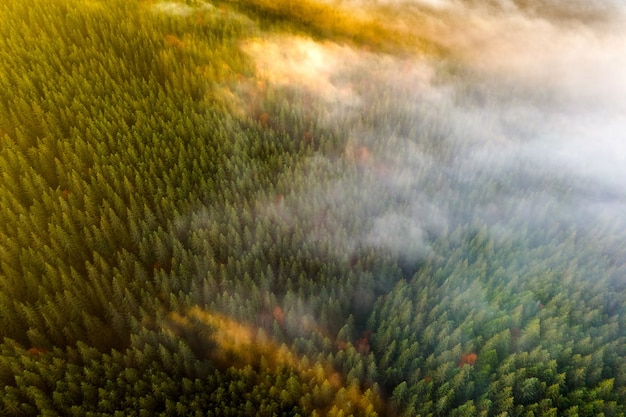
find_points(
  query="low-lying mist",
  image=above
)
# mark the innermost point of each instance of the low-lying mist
(520, 124)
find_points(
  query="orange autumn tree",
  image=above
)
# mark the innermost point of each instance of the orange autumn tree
(468, 358)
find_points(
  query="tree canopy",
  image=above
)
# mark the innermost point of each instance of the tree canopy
(180, 236)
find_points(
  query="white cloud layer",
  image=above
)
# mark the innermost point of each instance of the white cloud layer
(531, 118)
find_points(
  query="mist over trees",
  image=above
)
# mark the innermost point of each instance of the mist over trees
(307, 208)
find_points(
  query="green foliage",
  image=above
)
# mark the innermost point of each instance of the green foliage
(169, 244)
(524, 364)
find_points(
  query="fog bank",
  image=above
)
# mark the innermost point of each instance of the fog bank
(520, 124)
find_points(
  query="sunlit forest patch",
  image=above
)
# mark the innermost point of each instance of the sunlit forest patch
(314, 386)
(250, 207)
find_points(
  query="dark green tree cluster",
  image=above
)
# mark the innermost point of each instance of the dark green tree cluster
(496, 329)
(178, 239)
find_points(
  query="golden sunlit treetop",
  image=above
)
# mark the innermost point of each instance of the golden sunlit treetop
(370, 28)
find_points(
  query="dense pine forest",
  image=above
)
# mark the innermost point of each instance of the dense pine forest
(281, 208)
